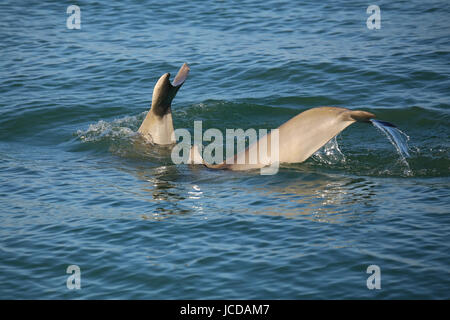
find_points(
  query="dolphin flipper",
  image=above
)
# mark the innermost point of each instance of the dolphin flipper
(157, 126)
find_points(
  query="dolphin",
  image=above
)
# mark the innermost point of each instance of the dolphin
(157, 126)
(298, 138)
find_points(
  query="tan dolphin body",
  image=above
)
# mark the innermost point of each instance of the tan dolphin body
(157, 126)
(299, 138)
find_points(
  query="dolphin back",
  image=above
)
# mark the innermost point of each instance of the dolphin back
(298, 138)
(309, 131)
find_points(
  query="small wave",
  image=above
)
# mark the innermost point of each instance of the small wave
(103, 130)
(120, 137)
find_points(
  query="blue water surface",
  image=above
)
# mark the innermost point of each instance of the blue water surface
(78, 187)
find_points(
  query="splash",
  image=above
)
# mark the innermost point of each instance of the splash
(397, 138)
(118, 129)
(330, 153)
(120, 137)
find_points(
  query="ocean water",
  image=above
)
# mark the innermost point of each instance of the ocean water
(77, 187)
